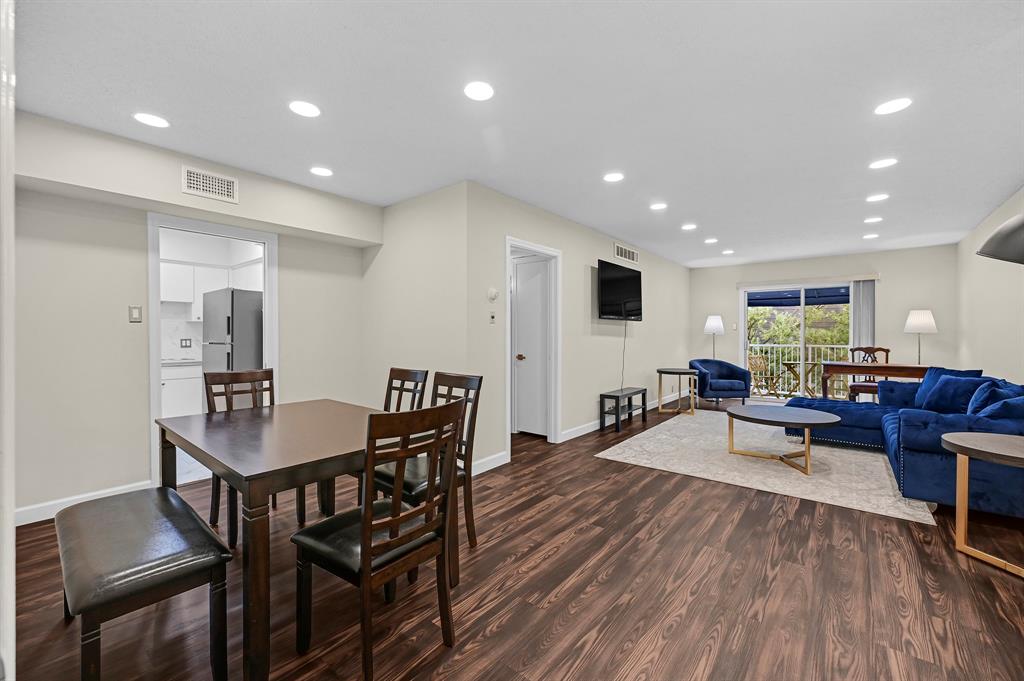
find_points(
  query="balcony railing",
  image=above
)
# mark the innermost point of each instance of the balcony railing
(775, 369)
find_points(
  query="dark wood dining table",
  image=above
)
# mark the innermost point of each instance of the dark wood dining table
(877, 369)
(259, 452)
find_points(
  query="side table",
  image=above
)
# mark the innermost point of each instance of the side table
(691, 375)
(619, 409)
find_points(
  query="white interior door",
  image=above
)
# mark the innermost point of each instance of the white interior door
(530, 346)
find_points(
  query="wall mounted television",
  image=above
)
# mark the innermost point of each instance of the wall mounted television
(619, 292)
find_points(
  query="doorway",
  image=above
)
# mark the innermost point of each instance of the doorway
(533, 342)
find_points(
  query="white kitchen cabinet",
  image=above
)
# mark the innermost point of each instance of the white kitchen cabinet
(181, 394)
(177, 283)
(207, 279)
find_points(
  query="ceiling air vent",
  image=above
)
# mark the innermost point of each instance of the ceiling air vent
(209, 185)
(626, 253)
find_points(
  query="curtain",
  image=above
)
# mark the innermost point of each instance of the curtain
(862, 312)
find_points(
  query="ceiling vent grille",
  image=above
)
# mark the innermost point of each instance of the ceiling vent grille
(209, 185)
(626, 253)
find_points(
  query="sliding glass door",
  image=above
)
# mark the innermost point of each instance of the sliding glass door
(789, 332)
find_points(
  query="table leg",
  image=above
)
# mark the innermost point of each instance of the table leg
(168, 462)
(601, 410)
(693, 395)
(660, 410)
(824, 384)
(325, 495)
(618, 414)
(629, 409)
(962, 498)
(255, 582)
(643, 406)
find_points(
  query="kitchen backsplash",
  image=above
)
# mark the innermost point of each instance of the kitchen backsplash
(174, 326)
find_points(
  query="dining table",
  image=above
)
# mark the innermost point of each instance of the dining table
(260, 452)
(877, 369)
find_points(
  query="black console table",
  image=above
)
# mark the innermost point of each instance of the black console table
(618, 410)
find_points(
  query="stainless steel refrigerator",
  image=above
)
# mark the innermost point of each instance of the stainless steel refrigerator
(232, 330)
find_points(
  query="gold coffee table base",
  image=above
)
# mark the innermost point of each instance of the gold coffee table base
(784, 458)
(962, 478)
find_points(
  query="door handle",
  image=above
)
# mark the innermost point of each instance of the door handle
(520, 356)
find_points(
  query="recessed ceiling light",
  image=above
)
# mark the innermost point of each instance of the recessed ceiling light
(869, 221)
(870, 236)
(688, 227)
(728, 251)
(883, 163)
(305, 109)
(659, 205)
(479, 91)
(876, 197)
(321, 171)
(151, 120)
(614, 177)
(712, 240)
(893, 105)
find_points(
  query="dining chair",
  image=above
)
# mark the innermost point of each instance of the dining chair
(370, 545)
(447, 388)
(868, 385)
(247, 387)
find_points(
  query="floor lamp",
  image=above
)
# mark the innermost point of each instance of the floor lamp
(920, 321)
(714, 327)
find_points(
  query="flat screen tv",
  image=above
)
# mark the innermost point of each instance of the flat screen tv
(618, 292)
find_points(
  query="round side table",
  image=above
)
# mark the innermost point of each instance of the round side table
(1007, 450)
(691, 375)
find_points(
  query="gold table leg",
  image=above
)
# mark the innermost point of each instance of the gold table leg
(962, 481)
(784, 458)
(661, 409)
(693, 394)
(679, 388)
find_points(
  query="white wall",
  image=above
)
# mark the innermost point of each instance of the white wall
(991, 295)
(907, 279)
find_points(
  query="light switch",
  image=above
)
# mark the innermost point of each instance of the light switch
(134, 314)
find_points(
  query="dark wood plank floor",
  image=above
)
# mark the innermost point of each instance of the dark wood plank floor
(591, 569)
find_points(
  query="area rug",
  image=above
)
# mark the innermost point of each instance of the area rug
(696, 445)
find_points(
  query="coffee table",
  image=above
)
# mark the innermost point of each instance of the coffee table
(1007, 450)
(691, 375)
(786, 417)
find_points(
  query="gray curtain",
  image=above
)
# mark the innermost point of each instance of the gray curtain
(862, 312)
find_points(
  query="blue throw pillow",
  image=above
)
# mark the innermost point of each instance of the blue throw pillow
(990, 393)
(952, 394)
(1007, 409)
(932, 376)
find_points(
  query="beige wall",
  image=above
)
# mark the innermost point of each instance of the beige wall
(908, 279)
(591, 348)
(992, 301)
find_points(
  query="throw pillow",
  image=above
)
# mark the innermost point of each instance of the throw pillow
(1007, 409)
(932, 377)
(952, 394)
(990, 393)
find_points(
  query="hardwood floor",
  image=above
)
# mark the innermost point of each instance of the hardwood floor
(591, 569)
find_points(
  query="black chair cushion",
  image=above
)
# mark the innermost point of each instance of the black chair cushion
(126, 544)
(335, 542)
(414, 484)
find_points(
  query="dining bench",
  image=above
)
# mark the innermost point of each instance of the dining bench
(123, 552)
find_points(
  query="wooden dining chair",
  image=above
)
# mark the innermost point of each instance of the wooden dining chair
(866, 385)
(371, 545)
(242, 390)
(447, 388)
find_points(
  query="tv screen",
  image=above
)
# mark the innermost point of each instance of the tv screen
(618, 292)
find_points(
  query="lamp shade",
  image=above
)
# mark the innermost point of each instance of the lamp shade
(714, 325)
(920, 321)
(1007, 242)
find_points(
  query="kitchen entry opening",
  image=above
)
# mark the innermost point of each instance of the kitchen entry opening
(789, 332)
(212, 308)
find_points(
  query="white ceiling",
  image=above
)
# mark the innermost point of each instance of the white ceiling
(753, 120)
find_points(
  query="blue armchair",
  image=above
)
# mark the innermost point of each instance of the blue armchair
(717, 379)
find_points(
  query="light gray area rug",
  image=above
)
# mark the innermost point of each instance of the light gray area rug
(697, 445)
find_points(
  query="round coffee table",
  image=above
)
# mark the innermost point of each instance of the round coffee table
(1007, 450)
(692, 380)
(786, 417)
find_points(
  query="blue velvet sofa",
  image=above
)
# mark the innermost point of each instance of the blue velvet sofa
(909, 427)
(717, 379)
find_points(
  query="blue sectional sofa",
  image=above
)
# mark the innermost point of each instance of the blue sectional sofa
(908, 423)
(717, 379)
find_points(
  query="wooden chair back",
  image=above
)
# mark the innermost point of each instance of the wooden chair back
(249, 386)
(757, 364)
(398, 437)
(451, 387)
(869, 354)
(402, 382)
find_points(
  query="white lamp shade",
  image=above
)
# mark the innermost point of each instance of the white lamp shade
(920, 321)
(714, 325)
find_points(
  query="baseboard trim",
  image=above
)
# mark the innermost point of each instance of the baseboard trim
(48, 509)
(573, 433)
(490, 462)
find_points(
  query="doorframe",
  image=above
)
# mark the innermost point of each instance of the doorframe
(271, 334)
(554, 260)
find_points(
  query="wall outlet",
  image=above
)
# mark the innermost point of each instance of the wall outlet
(493, 318)
(186, 342)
